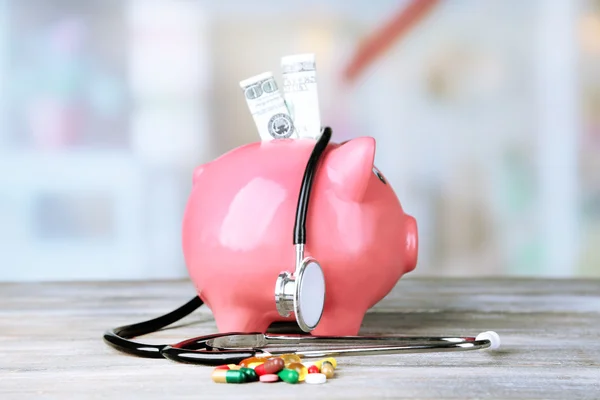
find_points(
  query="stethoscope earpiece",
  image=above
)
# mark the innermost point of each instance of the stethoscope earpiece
(492, 336)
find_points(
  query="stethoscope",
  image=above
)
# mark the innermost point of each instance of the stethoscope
(301, 292)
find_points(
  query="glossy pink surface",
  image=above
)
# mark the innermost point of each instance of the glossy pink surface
(238, 232)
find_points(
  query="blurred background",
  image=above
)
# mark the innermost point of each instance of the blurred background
(486, 116)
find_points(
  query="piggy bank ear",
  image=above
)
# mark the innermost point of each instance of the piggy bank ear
(350, 166)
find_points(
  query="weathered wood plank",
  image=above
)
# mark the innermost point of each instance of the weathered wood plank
(51, 346)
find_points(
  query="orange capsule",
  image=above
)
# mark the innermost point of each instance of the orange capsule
(290, 358)
(248, 361)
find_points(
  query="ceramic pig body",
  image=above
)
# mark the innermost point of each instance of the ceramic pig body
(238, 232)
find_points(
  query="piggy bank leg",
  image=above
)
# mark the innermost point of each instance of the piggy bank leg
(340, 322)
(240, 319)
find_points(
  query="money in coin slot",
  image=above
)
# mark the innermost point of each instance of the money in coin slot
(268, 107)
(301, 95)
(280, 126)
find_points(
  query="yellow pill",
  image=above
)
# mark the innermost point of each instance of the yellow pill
(331, 360)
(254, 364)
(327, 369)
(247, 361)
(233, 366)
(300, 369)
(290, 359)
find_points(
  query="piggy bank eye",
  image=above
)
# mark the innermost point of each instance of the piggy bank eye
(378, 174)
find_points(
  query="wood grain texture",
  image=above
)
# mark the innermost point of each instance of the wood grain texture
(51, 345)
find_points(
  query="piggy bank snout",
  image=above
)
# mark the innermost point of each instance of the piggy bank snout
(411, 243)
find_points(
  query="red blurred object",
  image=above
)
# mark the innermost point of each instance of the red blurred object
(382, 39)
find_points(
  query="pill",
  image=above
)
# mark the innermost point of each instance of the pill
(228, 366)
(300, 369)
(327, 369)
(313, 369)
(253, 365)
(269, 378)
(251, 375)
(228, 376)
(315, 379)
(246, 362)
(290, 358)
(288, 375)
(271, 366)
(331, 360)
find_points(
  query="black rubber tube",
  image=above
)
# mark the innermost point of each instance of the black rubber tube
(305, 189)
(118, 337)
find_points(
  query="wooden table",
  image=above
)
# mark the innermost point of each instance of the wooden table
(51, 346)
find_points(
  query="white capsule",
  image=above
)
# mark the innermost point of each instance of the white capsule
(492, 336)
(315, 379)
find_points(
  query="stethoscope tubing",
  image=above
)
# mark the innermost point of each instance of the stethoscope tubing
(118, 338)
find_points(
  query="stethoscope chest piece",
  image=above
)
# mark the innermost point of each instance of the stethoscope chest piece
(302, 293)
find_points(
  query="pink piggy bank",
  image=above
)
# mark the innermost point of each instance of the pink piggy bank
(238, 232)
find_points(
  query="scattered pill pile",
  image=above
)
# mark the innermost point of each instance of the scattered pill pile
(287, 368)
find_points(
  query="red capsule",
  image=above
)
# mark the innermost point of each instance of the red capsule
(313, 369)
(271, 366)
(228, 366)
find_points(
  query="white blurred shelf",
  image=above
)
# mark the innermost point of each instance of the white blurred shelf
(93, 214)
(141, 231)
(74, 167)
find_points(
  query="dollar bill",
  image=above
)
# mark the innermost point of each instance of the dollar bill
(268, 107)
(300, 92)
